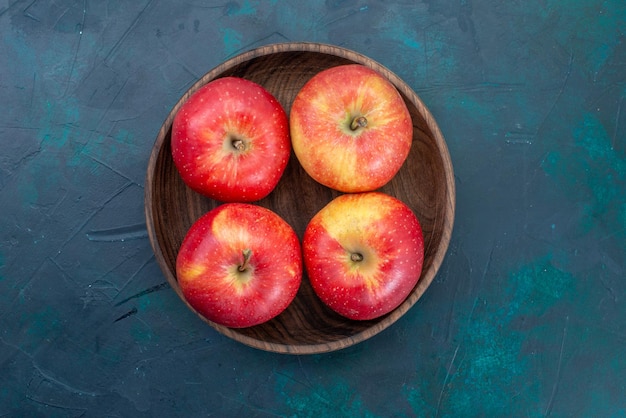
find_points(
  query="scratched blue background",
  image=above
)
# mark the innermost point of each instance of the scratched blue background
(527, 316)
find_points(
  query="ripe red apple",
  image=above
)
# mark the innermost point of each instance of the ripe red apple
(230, 140)
(239, 265)
(350, 128)
(363, 254)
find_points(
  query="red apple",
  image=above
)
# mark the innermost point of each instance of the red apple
(363, 254)
(230, 140)
(239, 265)
(350, 128)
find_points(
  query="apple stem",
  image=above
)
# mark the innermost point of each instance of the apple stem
(238, 144)
(356, 257)
(358, 122)
(247, 253)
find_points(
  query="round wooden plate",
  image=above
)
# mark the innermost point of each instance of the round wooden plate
(425, 183)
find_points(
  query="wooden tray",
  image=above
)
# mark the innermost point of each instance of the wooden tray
(425, 183)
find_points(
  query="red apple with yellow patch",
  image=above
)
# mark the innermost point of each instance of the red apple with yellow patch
(239, 265)
(350, 128)
(363, 254)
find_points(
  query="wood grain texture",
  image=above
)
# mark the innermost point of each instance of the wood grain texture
(425, 183)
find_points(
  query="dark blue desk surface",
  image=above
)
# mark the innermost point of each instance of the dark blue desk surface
(527, 316)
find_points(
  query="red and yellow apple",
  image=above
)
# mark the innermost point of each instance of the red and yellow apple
(363, 254)
(350, 128)
(239, 265)
(230, 140)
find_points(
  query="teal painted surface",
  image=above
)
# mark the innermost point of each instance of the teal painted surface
(594, 173)
(526, 316)
(336, 399)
